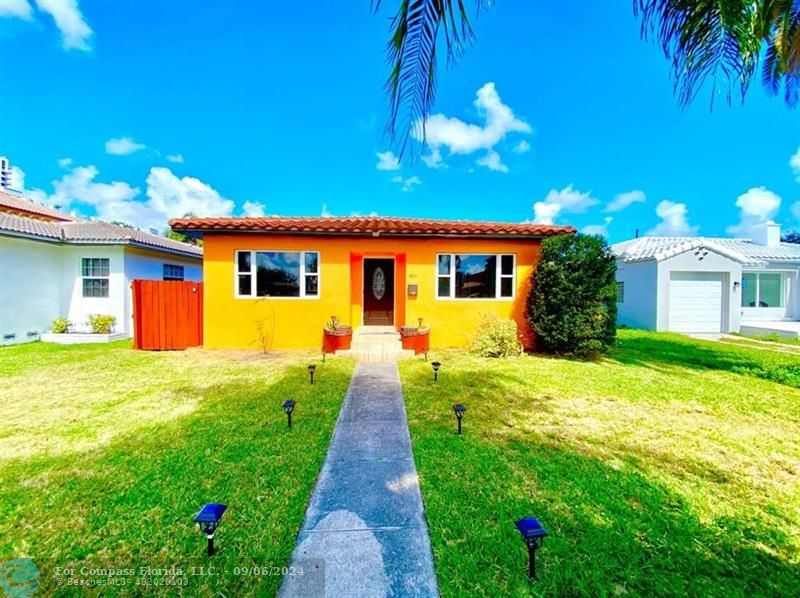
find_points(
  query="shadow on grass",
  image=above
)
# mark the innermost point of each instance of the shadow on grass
(612, 531)
(669, 351)
(130, 503)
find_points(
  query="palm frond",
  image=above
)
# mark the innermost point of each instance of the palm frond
(706, 40)
(411, 52)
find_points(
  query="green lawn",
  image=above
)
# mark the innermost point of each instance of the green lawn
(106, 454)
(670, 467)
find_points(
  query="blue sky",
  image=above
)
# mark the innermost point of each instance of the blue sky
(140, 111)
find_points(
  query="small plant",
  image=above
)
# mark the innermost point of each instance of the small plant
(265, 330)
(61, 325)
(332, 324)
(102, 323)
(496, 337)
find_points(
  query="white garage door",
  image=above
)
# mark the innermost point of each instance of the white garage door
(695, 302)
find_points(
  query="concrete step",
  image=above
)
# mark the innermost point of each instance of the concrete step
(377, 356)
(369, 345)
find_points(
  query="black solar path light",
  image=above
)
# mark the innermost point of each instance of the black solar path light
(459, 410)
(288, 407)
(435, 365)
(311, 369)
(208, 519)
(533, 535)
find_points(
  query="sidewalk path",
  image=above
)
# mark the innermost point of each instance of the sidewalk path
(365, 522)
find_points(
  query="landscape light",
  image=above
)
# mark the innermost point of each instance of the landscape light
(323, 355)
(288, 407)
(459, 410)
(208, 519)
(435, 365)
(311, 369)
(533, 535)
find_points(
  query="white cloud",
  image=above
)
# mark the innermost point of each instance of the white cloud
(492, 161)
(674, 221)
(65, 162)
(522, 147)
(794, 163)
(253, 209)
(466, 138)
(20, 9)
(175, 158)
(796, 209)
(756, 205)
(75, 32)
(598, 229)
(387, 161)
(167, 197)
(434, 159)
(566, 200)
(623, 200)
(407, 184)
(324, 212)
(123, 146)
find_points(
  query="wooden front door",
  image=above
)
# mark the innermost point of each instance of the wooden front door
(378, 292)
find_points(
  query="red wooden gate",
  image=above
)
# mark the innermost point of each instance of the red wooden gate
(167, 314)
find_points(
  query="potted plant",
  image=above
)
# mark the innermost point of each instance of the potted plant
(336, 336)
(417, 338)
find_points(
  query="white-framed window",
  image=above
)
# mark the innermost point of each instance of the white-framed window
(277, 273)
(620, 292)
(475, 276)
(95, 273)
(172, 272)
(764, 289)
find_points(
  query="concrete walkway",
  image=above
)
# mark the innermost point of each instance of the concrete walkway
(365, 526)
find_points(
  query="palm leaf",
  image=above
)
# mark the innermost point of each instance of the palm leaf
(411, 53)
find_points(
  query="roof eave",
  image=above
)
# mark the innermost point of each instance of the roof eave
(369, 234)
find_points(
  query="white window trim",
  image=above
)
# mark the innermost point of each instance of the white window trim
(786, 277)
(498, 278)
(620, 291)
(95, 277)
(253, 269)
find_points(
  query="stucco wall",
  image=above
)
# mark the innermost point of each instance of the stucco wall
(639, 309)
(30, 288)
(75, 306)
(232, 322)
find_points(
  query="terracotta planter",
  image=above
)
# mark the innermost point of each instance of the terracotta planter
(417, 340)
(333, 340)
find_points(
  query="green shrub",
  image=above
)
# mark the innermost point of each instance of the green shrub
(102, 323)
(572, 307)
(61, 325)
(496, 337)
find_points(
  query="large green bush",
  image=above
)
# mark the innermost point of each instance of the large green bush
(572, 306)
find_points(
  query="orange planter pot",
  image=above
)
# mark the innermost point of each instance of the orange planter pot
(419, 342)
(333, 341)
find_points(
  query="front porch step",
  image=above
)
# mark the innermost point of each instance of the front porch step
(376, 344)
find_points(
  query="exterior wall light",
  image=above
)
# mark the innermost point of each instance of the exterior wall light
(288, 407)
(311, 369)
(435, 365)
(208, 519)
(533, 535)
(459, 410)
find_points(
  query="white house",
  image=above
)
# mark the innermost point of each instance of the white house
(53, 265)
(706, 285)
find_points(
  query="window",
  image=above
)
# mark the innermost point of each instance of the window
(95, 272)
(620, 292)
(763, 289)
(172, 272)
(277, 274)
(468, 276)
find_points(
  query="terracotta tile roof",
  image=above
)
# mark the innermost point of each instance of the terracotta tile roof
(92, 232)
(369, 226)
(22, 206)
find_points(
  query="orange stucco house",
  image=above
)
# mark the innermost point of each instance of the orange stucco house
(368, 271)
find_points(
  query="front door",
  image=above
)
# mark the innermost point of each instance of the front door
(378, 292)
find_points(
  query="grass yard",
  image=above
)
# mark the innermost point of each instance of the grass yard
(106, 454)
(671, 467)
